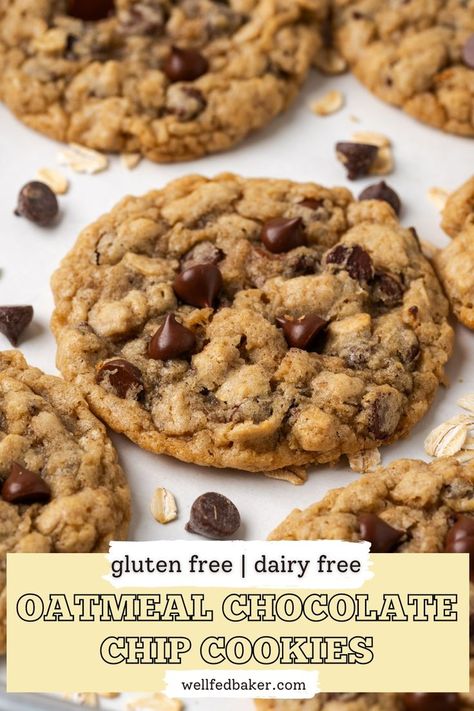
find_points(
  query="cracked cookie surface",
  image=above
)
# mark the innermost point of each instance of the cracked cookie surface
(422, 502)
(171, 80)
(455, 263)
(258, 324)
(414, 55)
(71, 495)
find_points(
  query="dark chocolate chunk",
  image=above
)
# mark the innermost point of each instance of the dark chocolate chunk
(185, 64)
(383, 537)
(199, 285)
(171, 340)
(357, 158)
(431, 702)
(91, 10)
(23, 486)
(283, 234)
(37, 203)
(382, 191)
(14, 320)
(355, 260)
(386, 290)
(124, 377)
(460, 539)
(383, 416)
(303, 333)
(213, 516)
(311, 203)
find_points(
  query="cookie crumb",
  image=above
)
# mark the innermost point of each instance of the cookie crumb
(364, 462)
(163, 506)
(83, 160)
(55, 180)
(439, 197)
(155, 702)
(130, 160)
(83, 698)
(329, 61)
(328, 104)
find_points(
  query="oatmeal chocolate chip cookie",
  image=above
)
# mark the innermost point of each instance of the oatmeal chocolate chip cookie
(62, 489)
(409, 506)
(414, 54)
(455, 263)
(252, 323)
(172, 80)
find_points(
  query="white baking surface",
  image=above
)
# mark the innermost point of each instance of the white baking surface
(299, 146)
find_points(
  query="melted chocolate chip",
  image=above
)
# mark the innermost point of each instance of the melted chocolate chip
(202, 253)
(171, 340)
(124, 377)
(91, 10)
(311, 203)
(303, 333)
(386, 290)
(213, 516)
(37, 203)
(354, 260)
(383, 416)
(14, 320)
(357, 158)
(460, 539)
(185, 65)
(431, 702)
(283, 234)
(25, 487)
(383, 537)
(199, 285)
(468, 52)
(382, 191)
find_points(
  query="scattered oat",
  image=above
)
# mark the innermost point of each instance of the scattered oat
(438, 197)
(163, 506)
(83, 160)
(155, 702)
(328, 104)
(384, 162)
(293, 475)
(467, 402)
(364, 462)
(449, 438)
(329, 61)
(130, 160)
(354, 119)
(109, 694)
(55, 180)
(83, 698)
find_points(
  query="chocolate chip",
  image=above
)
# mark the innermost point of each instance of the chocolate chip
(90, 10)
(386, 290)
(123, 377)
(213, 516)
(303, 333)
(202, 253)
(383, 416)
(468, 52)
(460, 539)
(199, 285)
(431, 702)
(354, 260)
(382, 191)
(282, 234)
(311, 203)
(383, 537)
(185, 64)
(37, 203)
(14, 320)
(25, 487)
(171, 340)
(356, 157)
(185, 102)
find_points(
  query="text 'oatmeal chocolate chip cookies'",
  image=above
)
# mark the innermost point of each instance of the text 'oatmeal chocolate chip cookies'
(62, 488)
(407, 507)
(192, 335)
(455, 263)
(172, 80)
(419, 57)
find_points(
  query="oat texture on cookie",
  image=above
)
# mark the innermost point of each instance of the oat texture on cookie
(418, 55)
(169, 80)
(252, 323)
(408, 507)
(62, 489)
(455, 263)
